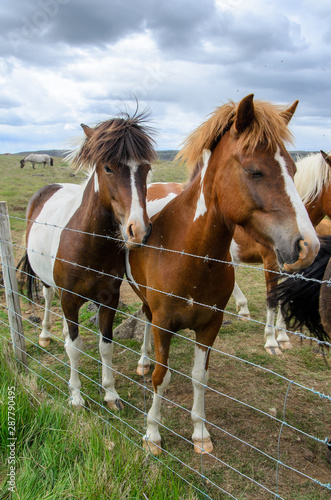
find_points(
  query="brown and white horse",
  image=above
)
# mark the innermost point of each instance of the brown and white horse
(313, 182)
(73, 235)
(184, 276)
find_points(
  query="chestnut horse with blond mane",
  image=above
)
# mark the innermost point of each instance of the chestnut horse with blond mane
(76, 235)
(243, 175)
(313, 182)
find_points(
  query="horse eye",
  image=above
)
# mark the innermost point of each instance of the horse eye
(108, 170)
(255, 174)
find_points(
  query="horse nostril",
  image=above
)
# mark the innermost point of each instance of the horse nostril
(130, 231)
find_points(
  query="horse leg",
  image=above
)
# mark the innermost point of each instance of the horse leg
(270, 268)
(282, 337)
(32, 165)
(106, 346)
(201, 437)
(241, 303)
(45, 337)
(144, 362)
(73, 345)
(161, 380)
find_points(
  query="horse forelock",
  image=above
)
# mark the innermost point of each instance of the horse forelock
(268, 128)
(117, 141)
(313, 174)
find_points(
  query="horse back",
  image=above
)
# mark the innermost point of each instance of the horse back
(38, 201)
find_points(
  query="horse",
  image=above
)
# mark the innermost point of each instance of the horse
(306, 300)
(76, 235)
(184, 277)
(313, 182)
(37, 158)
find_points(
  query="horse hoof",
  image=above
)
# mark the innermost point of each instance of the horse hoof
(44, 342)
(116, 405)
(142, 370)
(284, 345)
(245, 317)
(153, 448)
(274, 351)
(203, 446)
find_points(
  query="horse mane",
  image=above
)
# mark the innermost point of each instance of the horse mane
(117, 141)
(313, 173)
(268, 127)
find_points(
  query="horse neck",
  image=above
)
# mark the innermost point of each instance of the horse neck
(209, 226)
(94, 217)
(315, 209)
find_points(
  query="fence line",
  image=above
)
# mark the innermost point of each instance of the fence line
(283, 422)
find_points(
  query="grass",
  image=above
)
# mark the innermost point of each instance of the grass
(70, 451)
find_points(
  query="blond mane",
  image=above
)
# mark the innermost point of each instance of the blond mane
(269, 127)
(313, 174)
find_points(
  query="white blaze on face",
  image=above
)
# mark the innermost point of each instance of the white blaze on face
(304, 224)
(201, 205)
(96, 182)
(136, 211)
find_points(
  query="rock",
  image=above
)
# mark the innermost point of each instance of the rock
(34, 319)
(132, 327)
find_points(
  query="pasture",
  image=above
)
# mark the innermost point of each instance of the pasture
(251, 395)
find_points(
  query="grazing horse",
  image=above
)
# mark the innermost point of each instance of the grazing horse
(306, 301)
(184, 277)
(37, 158)
(73, 235)
(313, 182)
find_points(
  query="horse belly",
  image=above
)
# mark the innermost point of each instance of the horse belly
(45, 233)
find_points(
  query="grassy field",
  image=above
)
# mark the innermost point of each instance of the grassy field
(96, 454)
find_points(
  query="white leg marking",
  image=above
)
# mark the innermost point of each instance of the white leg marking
(74, 350)
(154, 414)
(44, 337)
(144, 362)
(199, 378)
(241, 301)
(106, 353)
(282, 337)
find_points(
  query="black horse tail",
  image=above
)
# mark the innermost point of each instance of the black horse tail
(28, 279)
(299, 297)
(51, 162)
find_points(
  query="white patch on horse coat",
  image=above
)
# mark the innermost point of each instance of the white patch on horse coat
(155, 206)
(45, 233)
(201, 205)
(128, 269)
(234, 251)
(304, 224)
(96, 182)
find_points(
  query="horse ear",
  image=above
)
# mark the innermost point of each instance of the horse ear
(327, 158)
(289, 112)
(87, 130)
(245, 113)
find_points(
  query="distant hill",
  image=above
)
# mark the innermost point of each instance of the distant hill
(164, 155)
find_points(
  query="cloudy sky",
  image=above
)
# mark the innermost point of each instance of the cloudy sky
(64, 62)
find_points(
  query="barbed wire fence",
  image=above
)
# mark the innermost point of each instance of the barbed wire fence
(278, 425)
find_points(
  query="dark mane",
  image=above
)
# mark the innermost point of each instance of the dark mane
(118, 140)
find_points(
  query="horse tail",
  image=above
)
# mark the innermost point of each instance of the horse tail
(299, 297)
(51, 162)
(28, 279)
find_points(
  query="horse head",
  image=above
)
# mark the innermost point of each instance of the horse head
(22, 162)
(122, 151)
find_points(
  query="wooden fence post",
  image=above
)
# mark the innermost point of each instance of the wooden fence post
(10, 284)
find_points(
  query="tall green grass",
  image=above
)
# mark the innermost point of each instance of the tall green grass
(65, 454)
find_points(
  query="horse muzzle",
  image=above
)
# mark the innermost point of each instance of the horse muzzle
(137, 235)
(308, 249)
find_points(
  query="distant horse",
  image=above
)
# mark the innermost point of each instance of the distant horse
(37, 158)
(307, 303)
(242, 175)
(73, 235)
(313, 182)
